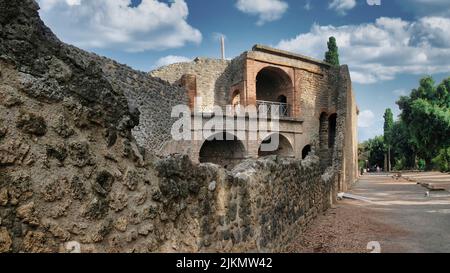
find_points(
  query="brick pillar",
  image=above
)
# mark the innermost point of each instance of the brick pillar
(250, 96)
(189, 82)
(296, 96)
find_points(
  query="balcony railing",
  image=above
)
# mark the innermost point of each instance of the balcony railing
(282, 108)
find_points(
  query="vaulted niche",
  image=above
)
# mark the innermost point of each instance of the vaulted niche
(274, 89)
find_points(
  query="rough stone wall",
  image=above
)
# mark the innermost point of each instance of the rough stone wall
(259, 203)
(150, 99)
(345, 153)
(214, 78)
(72, 173)
(351, 172)
(153, 98)
(315, 90)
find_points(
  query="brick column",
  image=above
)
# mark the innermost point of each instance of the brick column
(296, 95)
(250, 94)
(189, 82)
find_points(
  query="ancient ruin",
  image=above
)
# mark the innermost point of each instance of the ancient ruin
(317, 107)
(87, 158)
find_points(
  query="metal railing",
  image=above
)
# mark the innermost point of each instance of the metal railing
(283, 108)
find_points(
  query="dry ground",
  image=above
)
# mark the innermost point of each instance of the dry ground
(398, 215)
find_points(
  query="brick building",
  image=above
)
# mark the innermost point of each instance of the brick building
(316, 103)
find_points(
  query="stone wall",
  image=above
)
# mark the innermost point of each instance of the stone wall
(149, 99)
(214, 78)
(72, 174)
(47, 70)
(345, 154)
(153, 98)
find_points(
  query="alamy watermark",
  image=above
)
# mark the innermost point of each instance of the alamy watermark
(251, 122)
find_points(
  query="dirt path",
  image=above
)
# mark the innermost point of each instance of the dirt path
(399, 216)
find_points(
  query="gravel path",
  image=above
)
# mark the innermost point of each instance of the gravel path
(399, 216)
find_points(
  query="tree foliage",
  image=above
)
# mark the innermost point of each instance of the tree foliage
(442, 160)
(426, 114)
(388, 124)
(332, 55)
(375, 150)
(420, 139)
(403, 153)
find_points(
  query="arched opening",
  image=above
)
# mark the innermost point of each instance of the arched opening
(284, 147)
(323, 131)
(283, 106)
(282, 99)
(274, 88)
(332, 122)
(222, 149)
(306, 151)
(236, 98)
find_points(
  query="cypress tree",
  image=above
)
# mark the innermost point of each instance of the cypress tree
(332, 55)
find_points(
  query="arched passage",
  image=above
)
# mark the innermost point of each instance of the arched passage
(284, 147)
(323, 131)
(222, 149)
(324, 152)
(274, 88)
(306, 150)
(332, 122)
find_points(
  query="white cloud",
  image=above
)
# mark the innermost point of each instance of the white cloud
(371, 132)
(342, 6)
(267, 10)
(366, 119)
(381, 50)
(171, 59)
(152, 25)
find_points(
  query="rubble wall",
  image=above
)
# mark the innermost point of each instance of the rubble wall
(73, 175)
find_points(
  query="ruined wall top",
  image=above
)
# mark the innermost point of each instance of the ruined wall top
(214, 77)
(287, 54)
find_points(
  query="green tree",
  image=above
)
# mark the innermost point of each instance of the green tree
(388, 125)
(426, 114)
(442, 160)
(375, 149)
(332, 55)
(402, 152)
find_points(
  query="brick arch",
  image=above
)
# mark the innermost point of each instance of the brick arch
(273, 82)
(280, 71)
(285, 148)
(306, 151)
(224, 149)
(332, 130)
(323, 130)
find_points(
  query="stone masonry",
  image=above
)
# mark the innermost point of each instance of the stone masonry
(321, 109)
(81, 139)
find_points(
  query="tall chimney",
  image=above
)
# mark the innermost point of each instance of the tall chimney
(222, 46)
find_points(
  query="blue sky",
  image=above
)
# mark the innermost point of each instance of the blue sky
(388, 47)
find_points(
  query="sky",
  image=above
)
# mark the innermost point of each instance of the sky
(388, 45)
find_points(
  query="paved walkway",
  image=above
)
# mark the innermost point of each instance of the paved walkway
(431, 180)
(398, 215)
(403, 205)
